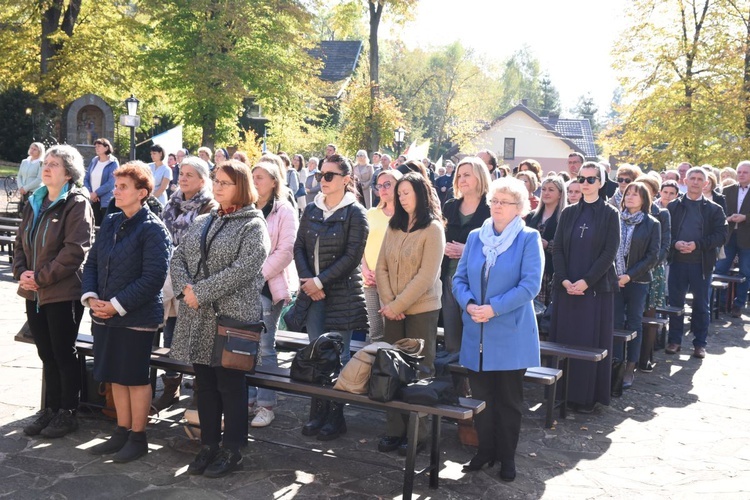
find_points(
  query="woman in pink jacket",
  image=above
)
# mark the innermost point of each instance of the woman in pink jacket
(278, 271)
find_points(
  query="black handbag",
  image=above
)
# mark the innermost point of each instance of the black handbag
(238, 341)
(391, 371)
(430, 391)
(319, 362)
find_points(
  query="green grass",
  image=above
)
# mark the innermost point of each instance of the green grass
(8, 169)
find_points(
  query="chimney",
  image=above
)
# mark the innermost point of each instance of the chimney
(524, 102)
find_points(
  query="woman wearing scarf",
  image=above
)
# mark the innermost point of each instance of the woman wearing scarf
(498, 276)
(583, 287)
(637, 255)
(193, 198)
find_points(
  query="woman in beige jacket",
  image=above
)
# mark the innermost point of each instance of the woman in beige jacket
(408, 280)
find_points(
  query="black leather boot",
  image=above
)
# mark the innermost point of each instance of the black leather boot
(318, 415)
(335, 424)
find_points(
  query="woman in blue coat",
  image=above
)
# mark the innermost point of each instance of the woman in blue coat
(498, 276)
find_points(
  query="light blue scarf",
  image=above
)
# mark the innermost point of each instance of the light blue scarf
(496, 244)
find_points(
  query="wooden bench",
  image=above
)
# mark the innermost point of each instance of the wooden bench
(721, 282)
(278, 379)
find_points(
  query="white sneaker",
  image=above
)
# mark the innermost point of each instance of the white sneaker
(263, 417)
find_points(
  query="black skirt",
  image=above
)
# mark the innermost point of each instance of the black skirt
(122, 355)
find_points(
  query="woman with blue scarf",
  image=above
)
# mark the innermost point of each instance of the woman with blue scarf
(640, 239)
(55, 235)
(498, 276)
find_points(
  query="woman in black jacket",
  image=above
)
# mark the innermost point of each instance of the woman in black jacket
(544, 219)
(328, 252)
(637, 254)
(465, 212)
(586, 242)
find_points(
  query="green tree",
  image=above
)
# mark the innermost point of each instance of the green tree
(549, 101)
(586, 108)
(215, 53)
(521, 80)
(360, 114)
(341, 21)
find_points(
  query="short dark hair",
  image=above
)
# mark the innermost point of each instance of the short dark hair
(141, 175)
(669, 183)
(240, 174)
(158, 149)
(493, 158)
(579, 155)
(104, 142)
(426, 210)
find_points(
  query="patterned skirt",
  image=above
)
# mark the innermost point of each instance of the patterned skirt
(657, 288)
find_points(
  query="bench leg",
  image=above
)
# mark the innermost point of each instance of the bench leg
(435, 452)
(412, 435)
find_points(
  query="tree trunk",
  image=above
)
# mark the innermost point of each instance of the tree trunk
(746, 79)
(376, 12)
(209, 131)
(51, 16)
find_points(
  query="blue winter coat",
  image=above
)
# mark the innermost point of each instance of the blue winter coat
(129, 262)
(510, 340)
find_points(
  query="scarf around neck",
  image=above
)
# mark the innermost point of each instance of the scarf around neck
(628, 222)
(179, 213)
(493, 245)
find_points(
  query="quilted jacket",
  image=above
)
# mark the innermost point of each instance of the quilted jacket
(341, 243)
(129, 262)
(237, 246)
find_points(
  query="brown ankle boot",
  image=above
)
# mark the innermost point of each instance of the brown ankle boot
(171, 392)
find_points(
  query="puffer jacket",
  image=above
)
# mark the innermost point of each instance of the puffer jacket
(237, 245)
(128, 262)
(278, 269)
(341, 243)
(55, 246)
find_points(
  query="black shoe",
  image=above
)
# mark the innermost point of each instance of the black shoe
(389, 444)
(226, 461)
(43, 418)
(65, 422)
(318, 414)
(508, 471)
(403, 448)
(113, 444)
(478, 462)
(135, 448)
(335, 424)
(646, 367)
(202, 460)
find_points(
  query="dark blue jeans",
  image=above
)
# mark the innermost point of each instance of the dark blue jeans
(682, 277)
(731, 249)
(630, 303)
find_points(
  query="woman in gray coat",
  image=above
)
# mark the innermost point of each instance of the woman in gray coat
(237, 244)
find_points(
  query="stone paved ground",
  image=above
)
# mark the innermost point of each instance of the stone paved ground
(681, 432)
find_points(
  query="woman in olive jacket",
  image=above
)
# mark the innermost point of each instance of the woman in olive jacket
(55, 235)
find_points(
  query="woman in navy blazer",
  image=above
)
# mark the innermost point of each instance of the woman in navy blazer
(498, 276)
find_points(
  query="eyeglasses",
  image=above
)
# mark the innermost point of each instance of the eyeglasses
(385, 185)
(328, 176)
(223, 184)
(590, 180)
(501, 203)
(626, 180)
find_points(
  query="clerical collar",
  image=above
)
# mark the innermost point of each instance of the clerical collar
(590, 202)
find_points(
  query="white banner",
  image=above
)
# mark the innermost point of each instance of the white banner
(171, 140)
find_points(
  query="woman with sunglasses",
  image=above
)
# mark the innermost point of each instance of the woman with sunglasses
(462, 214)
(625, 175)
(377, 218)
(586, 243)
(328, 253)
(544, 219)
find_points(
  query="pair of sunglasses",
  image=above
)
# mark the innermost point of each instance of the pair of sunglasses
(626, 180)
(328, 176)
(385, 185)
(590, 180)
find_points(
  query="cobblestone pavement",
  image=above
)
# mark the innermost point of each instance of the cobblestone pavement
(681, 432)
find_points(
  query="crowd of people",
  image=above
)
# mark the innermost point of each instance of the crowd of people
(389, 247)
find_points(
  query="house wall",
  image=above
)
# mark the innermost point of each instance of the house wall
(532, 141)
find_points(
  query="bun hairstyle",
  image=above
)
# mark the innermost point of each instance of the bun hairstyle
(345, 167)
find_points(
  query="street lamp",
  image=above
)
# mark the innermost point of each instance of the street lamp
(30, 112)
(131, 120)
(398, 137)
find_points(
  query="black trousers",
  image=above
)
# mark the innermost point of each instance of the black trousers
(499, 425)
(222, 391)
(55, 328)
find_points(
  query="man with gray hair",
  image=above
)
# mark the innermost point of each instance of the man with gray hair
(738, 208)
(699, 229)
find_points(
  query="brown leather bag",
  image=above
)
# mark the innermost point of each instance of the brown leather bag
(105, 389)
(241, 343)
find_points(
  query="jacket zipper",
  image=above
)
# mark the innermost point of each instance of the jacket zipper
(32, 242)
